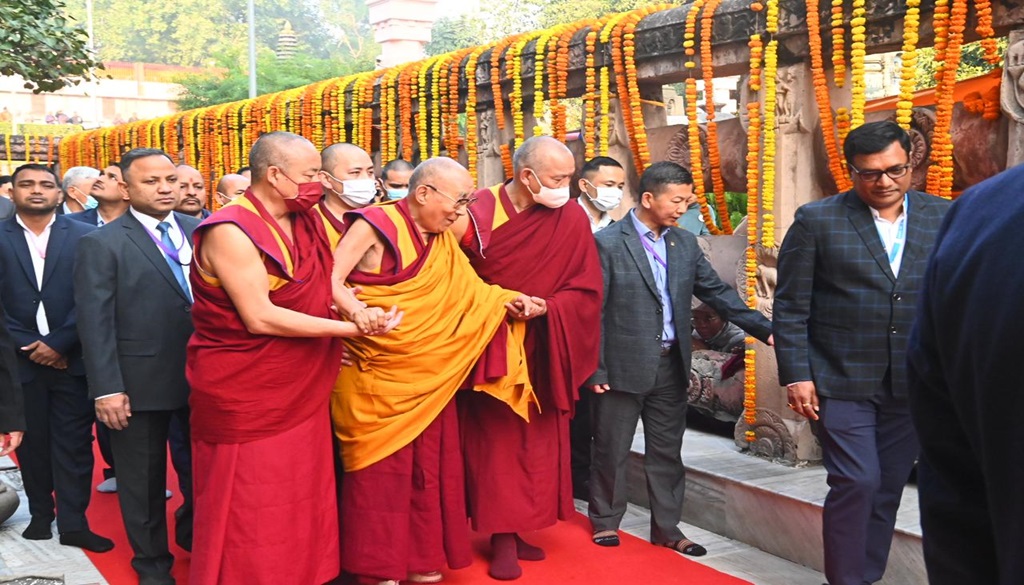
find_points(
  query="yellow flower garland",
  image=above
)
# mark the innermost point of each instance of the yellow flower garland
(858, 50)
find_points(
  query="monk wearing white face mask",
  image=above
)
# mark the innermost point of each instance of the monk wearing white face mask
(601, 182)
(346, 175)
(522, 234)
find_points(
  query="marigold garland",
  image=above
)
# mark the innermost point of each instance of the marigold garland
(989, 46)
(472, 139)
(540, 53)
(590, 95)
(908, 64)
(838, 44)
(822, 97)
(714, 155)
(858, 50)
(940, 174)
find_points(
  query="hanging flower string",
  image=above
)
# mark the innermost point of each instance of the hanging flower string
(940, 174)
(822, 98)
(714, 156)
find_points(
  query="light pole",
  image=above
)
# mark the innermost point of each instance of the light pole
(252, 49)
(94, 100)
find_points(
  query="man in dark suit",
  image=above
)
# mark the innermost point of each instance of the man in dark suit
(111, 203)
(965, 389)
(132, 292)
(850, 269)
(652, 270)
(12, 402)
(6, 208)
(37, 255)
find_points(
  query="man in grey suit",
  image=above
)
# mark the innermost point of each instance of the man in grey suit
(134, 319)
(652, 269)
(850, 269)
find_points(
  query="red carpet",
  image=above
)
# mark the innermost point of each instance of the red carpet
(572, 558)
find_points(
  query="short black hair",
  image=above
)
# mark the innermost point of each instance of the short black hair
(33, 167)
(663, 173)
(242, 170)
(396, 165)
(593, 165)
(874, 137)
(4, 179)
(135, 154)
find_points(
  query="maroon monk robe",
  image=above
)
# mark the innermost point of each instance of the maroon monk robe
(518, 473)
(265, 507)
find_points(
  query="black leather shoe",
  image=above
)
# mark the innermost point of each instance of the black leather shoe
(38, 529)
(88, 540)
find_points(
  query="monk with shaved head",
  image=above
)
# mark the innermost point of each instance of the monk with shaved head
(524, 237)
(261, 366)
(403, 497)
(231, 187)
(346, 173)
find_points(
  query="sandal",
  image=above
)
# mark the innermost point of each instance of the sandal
(687, 547)
(431, 577)
(606, 538)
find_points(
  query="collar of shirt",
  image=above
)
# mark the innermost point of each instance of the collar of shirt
(642, 229)
(599, 224)
(151, 223)
(878, 217)
(53, 218)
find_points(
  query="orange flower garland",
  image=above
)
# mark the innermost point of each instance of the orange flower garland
(753, 186)
(590, 95)
(714, 155)
(641, 150)
(940, 174)
(472, 139)
(989, 46)
(771, 63)
(821, 95)
(540, 50)
(405, 91)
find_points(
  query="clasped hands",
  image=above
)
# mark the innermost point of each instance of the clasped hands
(45, 355)
(525, 307)
(375, 320)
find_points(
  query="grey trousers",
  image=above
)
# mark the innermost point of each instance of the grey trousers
(615, 415)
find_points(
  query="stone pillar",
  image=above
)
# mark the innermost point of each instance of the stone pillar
(1012, 98)
(781, 434)
(401, 28)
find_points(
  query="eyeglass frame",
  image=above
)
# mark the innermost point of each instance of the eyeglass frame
(870, 177)
(460, 202)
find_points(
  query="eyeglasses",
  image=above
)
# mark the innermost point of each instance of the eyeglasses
(463, 201)
(873, 176)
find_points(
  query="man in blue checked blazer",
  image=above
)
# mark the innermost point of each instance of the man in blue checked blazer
(850, 269)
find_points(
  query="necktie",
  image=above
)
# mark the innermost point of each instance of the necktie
(179, 274)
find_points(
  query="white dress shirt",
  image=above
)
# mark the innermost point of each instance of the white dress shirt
(37, 251)
(595, 225)
(181, 243)
(893, 235)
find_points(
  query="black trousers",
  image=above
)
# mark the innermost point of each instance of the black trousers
(140, 456)
(581, 438)
(663, 411)
(56, 453)
(178, 439)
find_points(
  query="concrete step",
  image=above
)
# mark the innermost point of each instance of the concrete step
(769, 506)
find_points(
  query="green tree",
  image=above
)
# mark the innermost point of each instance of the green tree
(562, 11)
(40, 44)
(972, 63)
(272, 75)
(451, 34)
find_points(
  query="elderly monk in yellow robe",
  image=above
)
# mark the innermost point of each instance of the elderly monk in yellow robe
(403, 494)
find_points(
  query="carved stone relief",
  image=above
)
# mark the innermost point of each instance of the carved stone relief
(1012, 95)
(774, 441)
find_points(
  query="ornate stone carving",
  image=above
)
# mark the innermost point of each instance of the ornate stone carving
(1012, 94)
(774, 441)
(767, 279)
(790, 101)
(487, 133)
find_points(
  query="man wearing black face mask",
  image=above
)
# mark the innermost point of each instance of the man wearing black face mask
(261, 365)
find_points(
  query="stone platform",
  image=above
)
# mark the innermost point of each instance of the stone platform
(770, 507)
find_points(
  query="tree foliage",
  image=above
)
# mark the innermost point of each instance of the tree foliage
(272, 74)
(189, 32)
(41, 44)
(972, 64)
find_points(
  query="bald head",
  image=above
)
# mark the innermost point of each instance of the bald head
(344, 154)
(230, 187)
(276, 149)
(538, 151)
(438, 191)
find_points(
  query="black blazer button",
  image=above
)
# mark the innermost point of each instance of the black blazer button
(188, 308)
(897, 297)
(892, 330)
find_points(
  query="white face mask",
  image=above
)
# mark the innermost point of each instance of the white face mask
(358, 192)
(548, 197)
(608, 198)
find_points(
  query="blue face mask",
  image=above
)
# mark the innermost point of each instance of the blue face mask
(397, 193)
(90, 202)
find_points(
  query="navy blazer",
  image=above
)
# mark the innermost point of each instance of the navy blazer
(89, 216)
(134, 318)
(632, 322)
(22, 295)
(841, 318)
